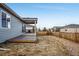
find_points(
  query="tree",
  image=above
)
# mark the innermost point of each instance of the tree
(39, 29)
(49, 30)
(44, 29)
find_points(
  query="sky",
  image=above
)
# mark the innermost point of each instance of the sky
(48, 14)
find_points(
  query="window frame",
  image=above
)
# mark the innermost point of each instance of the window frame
(7, 26)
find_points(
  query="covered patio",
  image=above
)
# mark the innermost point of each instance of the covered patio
(28, 30)
(30, 25)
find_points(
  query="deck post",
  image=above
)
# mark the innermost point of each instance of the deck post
(35, 27)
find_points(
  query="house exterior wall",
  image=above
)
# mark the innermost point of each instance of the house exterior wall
(23, 27)
(15, 30)
(71, 30)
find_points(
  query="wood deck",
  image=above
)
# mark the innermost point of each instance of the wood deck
(29, 37)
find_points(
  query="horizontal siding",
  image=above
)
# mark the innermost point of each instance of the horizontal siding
(72, 30)
(15, 30)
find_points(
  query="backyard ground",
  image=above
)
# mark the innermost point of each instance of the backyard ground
(46, 46)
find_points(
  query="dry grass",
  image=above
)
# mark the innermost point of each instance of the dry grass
(42, 33)
(47, 46)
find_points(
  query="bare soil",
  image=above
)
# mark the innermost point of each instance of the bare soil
(46, 46)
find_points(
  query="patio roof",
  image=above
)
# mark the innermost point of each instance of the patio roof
(30, 25)
(30, 20)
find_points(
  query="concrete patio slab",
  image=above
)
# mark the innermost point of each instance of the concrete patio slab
(29, 37)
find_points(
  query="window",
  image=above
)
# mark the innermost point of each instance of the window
(5, 20)
(4, 23)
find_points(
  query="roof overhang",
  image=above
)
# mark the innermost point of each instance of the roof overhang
(30, 25)
(30, 20)
(24, 20)
(9, 10)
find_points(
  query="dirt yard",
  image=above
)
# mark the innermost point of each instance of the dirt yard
(46, 46)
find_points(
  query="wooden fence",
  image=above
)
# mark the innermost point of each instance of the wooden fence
(70, 36)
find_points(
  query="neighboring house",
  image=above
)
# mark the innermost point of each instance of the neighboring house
(11, 24)
(71, 28)
(56, 29)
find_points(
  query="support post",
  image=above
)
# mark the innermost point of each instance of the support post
(35, 27)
